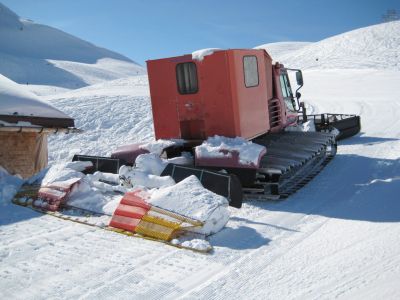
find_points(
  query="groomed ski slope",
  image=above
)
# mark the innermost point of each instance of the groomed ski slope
(338, 237)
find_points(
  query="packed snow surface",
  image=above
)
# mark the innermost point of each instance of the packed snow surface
(219, 146)
(17, 100)
(200, 54)
(338, 237)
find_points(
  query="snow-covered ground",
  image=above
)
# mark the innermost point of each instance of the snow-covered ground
(338, 237)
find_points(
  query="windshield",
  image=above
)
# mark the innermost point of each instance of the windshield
(287, 92)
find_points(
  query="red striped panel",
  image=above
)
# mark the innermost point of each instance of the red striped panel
(125, 223)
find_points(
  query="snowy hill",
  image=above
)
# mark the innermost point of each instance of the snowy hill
(338, 237)
(112, 114)
(376, 47)
(280, 49)
(41, 55)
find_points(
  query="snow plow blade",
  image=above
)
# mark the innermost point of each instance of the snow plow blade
(348, 125)
(227, 185)
(102, 164)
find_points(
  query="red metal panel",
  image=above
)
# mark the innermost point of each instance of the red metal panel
(125, 223)
(251, 102)
(129, 153)
(223, 105)
(131, 198)
(163, 91)
(130, 211)
(216, 95)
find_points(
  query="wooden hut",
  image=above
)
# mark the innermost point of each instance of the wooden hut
(25, 122)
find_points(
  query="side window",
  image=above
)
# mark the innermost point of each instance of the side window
(287, 92)
(283, 86)
(186, 76)
(250, 69)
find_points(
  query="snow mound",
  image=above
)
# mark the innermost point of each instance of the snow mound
(9, 185)
(200, 54)
(157, 147)
(151, 163)
(65, 171)
(133, 177)
(376, 47)
(90, 193)
(308, 126)
(219, 146)
(38, 54)
(191, 199)
(16, 100)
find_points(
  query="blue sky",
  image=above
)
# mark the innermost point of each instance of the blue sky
(153, 29)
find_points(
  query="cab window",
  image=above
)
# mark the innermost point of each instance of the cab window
(186, 76)
(250, 69)
(287, 92)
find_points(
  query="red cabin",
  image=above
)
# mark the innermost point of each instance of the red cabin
(225, 93)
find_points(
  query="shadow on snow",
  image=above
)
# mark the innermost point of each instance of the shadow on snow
(11, 213)
(361, 139)
(240, 238)
(351, 187)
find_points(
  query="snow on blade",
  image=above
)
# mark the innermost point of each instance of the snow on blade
(158, 146)
(191, 199)
(308, 126)
(134, 177)
(200, 54)
(219, 146)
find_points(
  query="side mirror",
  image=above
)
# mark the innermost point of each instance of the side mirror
(299, 78)
(298, 95)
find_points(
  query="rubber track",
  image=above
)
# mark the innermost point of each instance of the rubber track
(292, 160)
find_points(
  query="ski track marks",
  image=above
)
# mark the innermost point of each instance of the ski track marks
(336, 237)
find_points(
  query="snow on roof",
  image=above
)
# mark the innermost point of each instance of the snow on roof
(200, 54)
(16, 101)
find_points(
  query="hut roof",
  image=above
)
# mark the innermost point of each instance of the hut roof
(20, 106)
